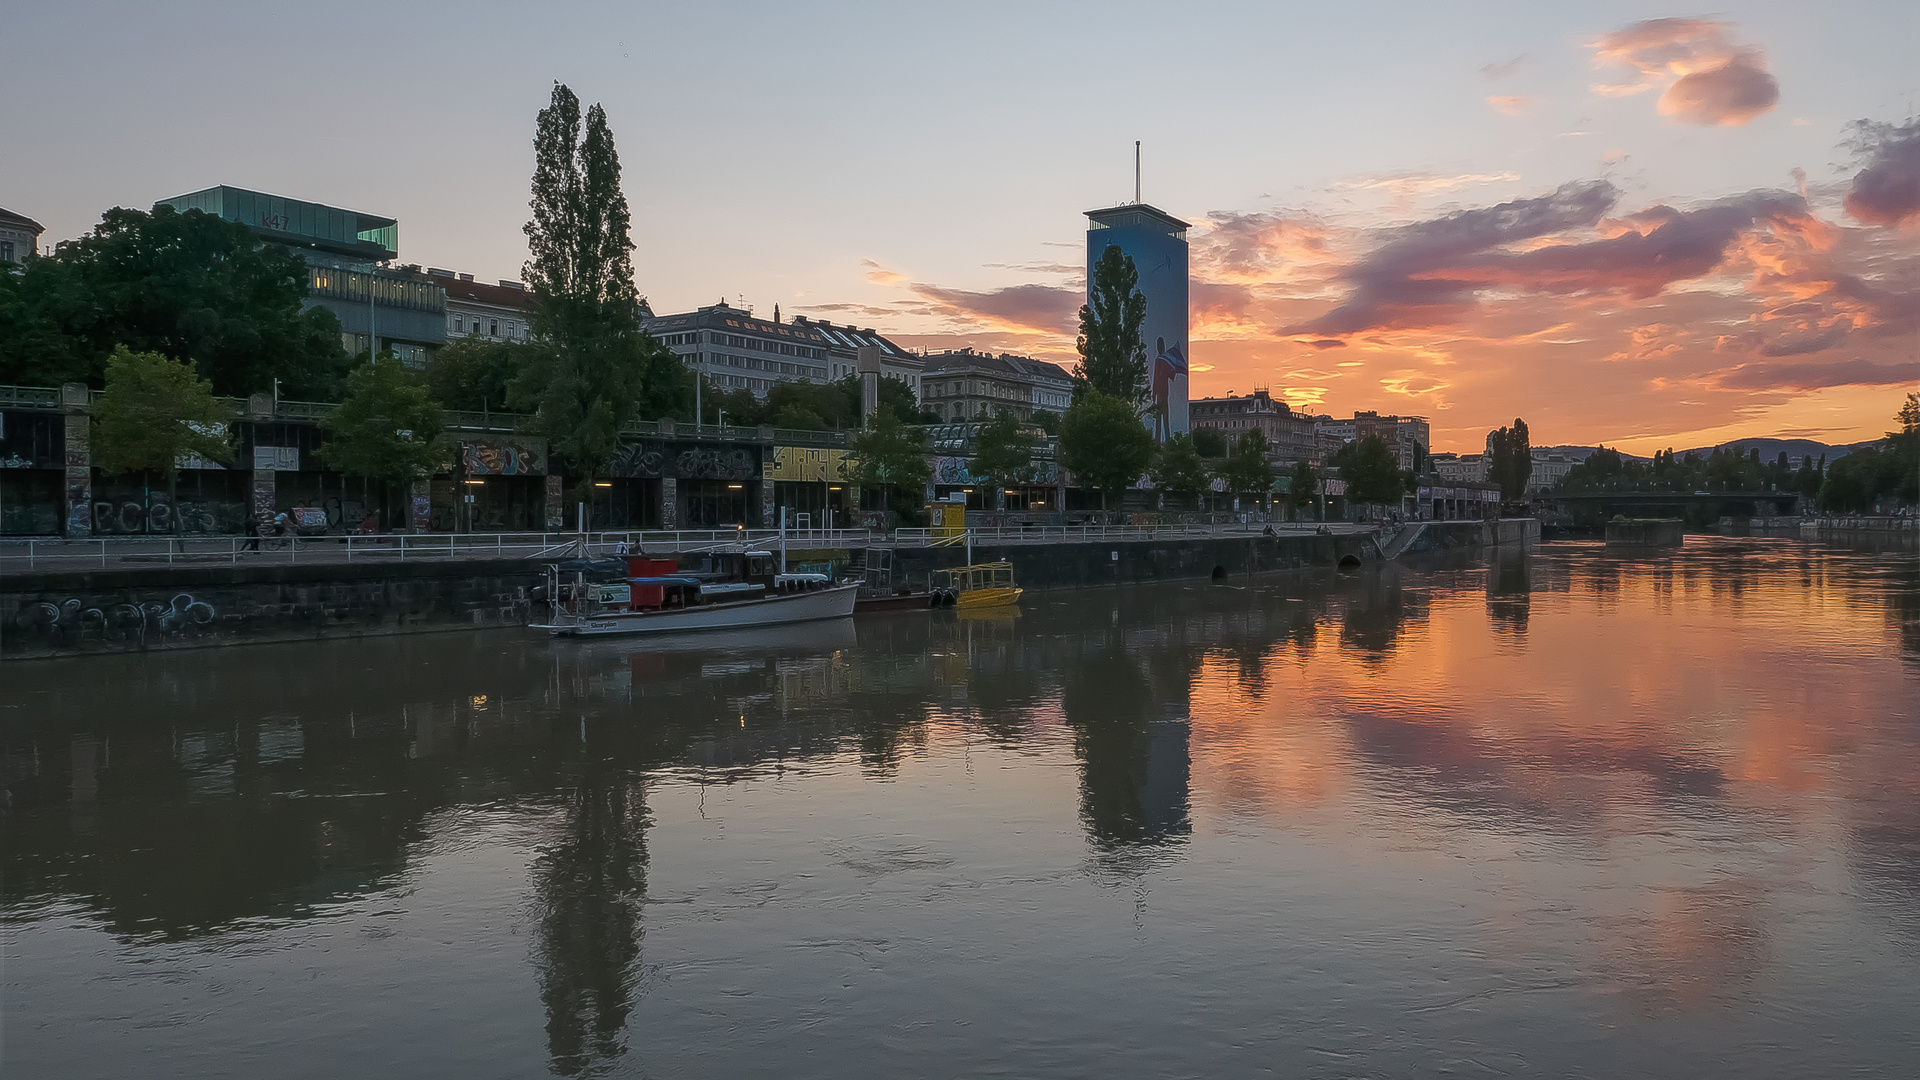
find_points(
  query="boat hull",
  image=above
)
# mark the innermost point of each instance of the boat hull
(831, 603)
(981, 598)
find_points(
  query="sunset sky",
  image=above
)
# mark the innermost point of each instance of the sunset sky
(1647, 225)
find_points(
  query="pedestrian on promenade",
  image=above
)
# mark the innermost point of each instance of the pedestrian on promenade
(255, 528)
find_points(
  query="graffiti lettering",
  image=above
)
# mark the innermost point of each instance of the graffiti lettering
(73, 618)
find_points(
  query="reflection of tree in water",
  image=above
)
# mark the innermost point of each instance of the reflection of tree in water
(1374, 614)
(589, 887)
(1510, 593)
(1133, 786)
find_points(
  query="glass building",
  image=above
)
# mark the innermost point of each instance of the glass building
(396, 309)
(1157, 243)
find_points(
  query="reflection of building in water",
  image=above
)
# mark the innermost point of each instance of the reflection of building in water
(1134, 765)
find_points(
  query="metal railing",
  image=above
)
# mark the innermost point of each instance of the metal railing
(37, 553)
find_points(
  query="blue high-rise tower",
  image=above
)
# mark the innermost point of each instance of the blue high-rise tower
(1157, 243)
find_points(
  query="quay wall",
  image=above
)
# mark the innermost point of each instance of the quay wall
(160, 607)
(165, 607)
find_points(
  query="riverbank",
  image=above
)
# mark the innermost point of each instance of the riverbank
(141, 608)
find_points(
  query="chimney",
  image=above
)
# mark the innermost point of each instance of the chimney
(505, 284)
(466, 277)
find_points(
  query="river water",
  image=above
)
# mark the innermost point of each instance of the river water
(1567, 813)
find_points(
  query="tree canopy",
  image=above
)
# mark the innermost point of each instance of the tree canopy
(892, 456)
(1209, 442)
(1103, 442)
(1002, 452)
(1113, 359)
(1177, 467)
(1246, 470)
(595, 368)
(387, 428)
(154, 412)
(1371, 471)
(189, 286)
(1304, 486)
(1510, 460)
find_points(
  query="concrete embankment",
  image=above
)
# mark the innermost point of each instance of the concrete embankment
(163, 607)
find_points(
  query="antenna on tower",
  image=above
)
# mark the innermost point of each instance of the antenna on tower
(1136, 172)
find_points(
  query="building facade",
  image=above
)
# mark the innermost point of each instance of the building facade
(843, 347)
(965, 385)
(1292, 435)
(1157, 243)
(477, 309)
(1407, 436)
(19, 237)
(737, 351)
(380, 307)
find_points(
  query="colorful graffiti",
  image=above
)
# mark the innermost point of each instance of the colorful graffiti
(503, 457)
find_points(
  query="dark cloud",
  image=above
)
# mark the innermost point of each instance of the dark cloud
(1815, 376)
(1048, 308)
(1326, 343)
(1731, 94)
(1887, 191)
(1431, 273)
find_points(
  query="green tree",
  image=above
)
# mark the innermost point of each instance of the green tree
(1371, 472)
(1047, 420)
(474, 374)
(1246, 470)
(1002, 454)
(1103, 443)
(1113, 359)
(892, 457)
(1177, 467)
(590, 375)
(154, 412)
(387, 428)
(1209, 442)
(1304, 488)
(1510, 462)
(189, 286)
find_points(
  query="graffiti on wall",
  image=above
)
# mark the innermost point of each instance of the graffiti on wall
(156, 514)
(638, 459)
(953, 471)
(808, 464)
(183, 616)
(715, 464)
(504, 456)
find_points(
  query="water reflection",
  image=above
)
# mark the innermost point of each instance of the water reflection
(1625, 743)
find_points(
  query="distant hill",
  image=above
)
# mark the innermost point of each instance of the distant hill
(1769, 450)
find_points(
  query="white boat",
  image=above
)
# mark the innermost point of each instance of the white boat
(728, 591)
(832, 602)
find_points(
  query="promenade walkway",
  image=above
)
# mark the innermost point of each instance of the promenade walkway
(23, 555)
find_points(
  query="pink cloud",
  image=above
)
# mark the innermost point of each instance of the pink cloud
(1708, 79)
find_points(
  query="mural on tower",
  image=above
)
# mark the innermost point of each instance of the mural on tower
(1157, 243)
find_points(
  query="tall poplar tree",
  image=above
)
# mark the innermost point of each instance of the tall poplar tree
(589, 374)
(1113, 359)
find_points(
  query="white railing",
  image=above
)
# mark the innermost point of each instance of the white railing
(36, 553)
(17, 555)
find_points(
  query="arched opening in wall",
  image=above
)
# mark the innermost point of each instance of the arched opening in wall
(1219, 576)
(1349, 562)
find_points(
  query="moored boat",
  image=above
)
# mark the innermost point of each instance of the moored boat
(985, 585)
(720, 590)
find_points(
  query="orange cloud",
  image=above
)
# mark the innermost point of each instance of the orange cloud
(1508, 104)
(1708, 79)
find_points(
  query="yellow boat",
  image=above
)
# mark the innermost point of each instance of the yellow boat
(986, 585)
